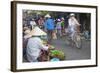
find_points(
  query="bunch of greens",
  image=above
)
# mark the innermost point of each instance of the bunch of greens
(57, 54)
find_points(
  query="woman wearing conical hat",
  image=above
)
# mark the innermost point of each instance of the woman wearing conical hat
(35, 45)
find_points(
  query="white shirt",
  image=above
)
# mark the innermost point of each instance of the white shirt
(58, 25)
(34, 47)
(32, 23)
(73, 23)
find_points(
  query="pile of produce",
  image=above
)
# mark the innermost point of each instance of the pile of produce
(57, 54)
(54, 53)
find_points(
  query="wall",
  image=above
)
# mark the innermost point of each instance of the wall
(5, 37)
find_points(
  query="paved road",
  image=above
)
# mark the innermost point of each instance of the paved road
(73, 53)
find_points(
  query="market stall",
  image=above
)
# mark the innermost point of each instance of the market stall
(52, 54)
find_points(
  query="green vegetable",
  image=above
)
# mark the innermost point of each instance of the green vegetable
(57, 53)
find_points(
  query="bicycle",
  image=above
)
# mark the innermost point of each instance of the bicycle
(75, 39)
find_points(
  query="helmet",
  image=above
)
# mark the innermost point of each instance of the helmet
(72, 14)
(62, 18)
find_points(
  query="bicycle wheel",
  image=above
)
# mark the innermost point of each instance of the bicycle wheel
(77, 41)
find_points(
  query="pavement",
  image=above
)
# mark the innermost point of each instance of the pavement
(71, 52)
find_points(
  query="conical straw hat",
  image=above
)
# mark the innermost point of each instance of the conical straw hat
(47, 16)
(37, 32)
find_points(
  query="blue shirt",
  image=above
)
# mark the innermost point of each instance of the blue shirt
(49, 24)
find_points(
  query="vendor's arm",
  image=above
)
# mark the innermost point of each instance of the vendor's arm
(42, 46)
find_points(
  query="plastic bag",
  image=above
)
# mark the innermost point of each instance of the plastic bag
(54, 36)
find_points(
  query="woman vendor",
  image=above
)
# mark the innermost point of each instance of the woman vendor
(35, 44)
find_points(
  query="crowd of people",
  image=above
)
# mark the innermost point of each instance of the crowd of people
(32, 44)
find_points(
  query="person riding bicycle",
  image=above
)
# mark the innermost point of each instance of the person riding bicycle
(72, 25)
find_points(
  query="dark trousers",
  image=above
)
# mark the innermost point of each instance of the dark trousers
(49, 35)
